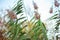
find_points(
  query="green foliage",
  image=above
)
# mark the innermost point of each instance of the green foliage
(37, 31)
(15, 28)
(56, 17)
(18, 7)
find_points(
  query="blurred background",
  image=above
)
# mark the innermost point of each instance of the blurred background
(29, 11)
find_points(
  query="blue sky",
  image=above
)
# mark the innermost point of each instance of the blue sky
(6, 4)
(44, 6)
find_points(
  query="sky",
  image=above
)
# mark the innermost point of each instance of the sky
(44, 6)
(6, 4)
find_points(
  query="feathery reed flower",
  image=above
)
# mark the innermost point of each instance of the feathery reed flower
(35, 5)
(11, 14)
(1, 23)
(56, 3)
(51, 10)
(37, 15)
